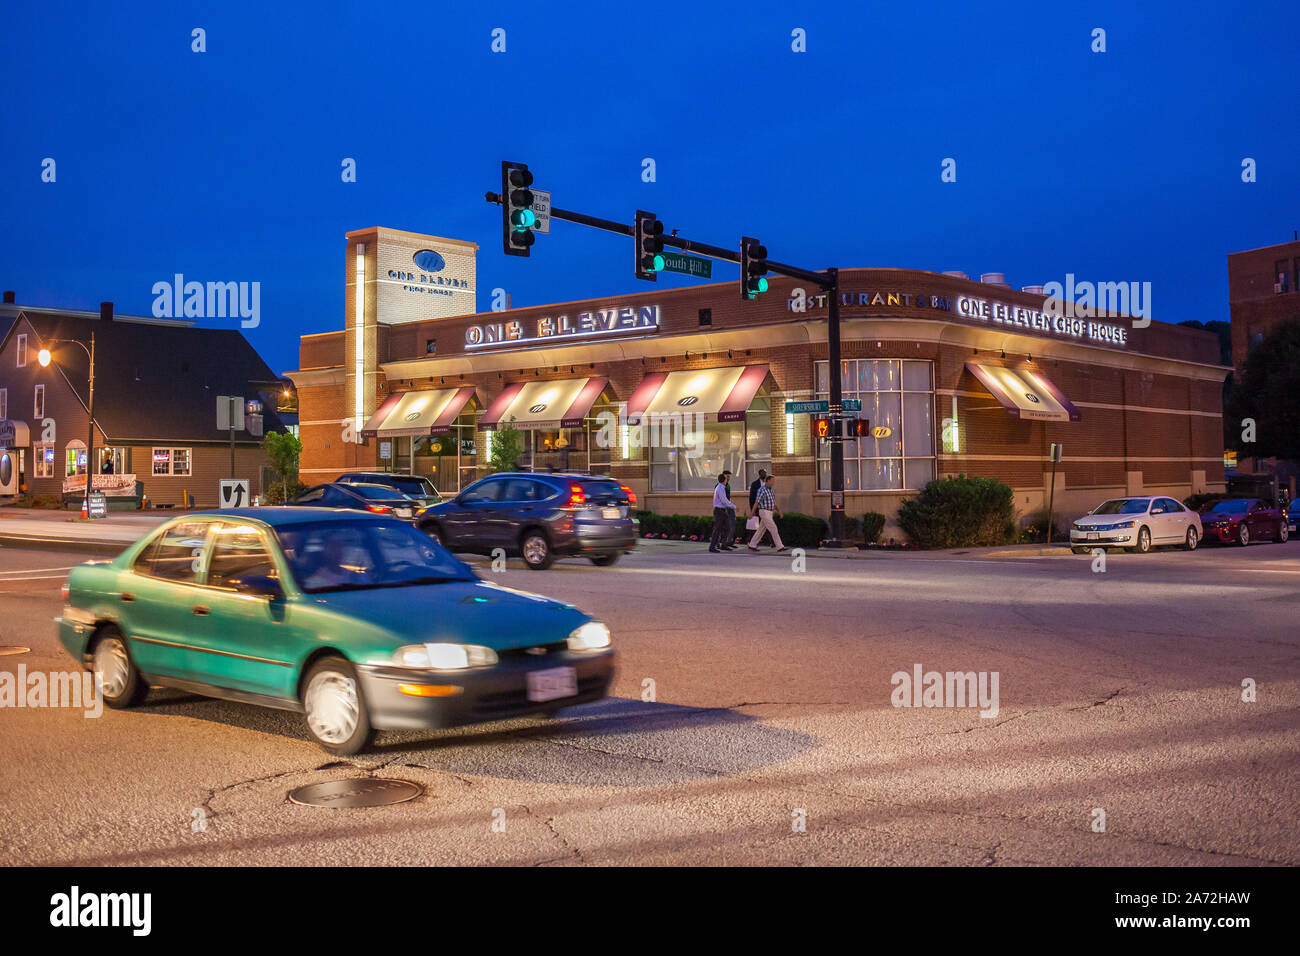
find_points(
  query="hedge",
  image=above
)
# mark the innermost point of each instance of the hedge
(960, 512)
(873, 523)
(796, 530)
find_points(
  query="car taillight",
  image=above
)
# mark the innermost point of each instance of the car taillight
(576, 497)
(379, 509)
(631, 495)
(65, 591)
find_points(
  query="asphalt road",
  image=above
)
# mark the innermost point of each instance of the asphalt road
(1118, 691)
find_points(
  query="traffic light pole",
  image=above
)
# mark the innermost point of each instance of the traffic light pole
(829, 281)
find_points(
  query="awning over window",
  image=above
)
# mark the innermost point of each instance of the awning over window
(723, 393)
(1025, 394)
(417, 413)
(14, 434)
(562, 404)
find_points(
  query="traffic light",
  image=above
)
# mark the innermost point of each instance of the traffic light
(517, 217)
(822, 427)
(648, 235)
(859, 428)
(753, 267)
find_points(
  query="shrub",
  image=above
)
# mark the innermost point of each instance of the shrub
(873, 523)
(278, 493)
(1035, 530)
(800, 530)
(960, 512)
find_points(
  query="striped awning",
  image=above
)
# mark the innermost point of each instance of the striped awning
(417, 413)
(536, 405)
(721, 394)
(1025, 393)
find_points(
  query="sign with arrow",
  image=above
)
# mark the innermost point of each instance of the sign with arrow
(234, 493)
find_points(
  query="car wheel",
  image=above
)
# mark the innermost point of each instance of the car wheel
(1078, 550)
(122, 684)
(536, 550)
(1283, 533)
(434, 532)
(1144, 541)
(1193, 539)
(604, 560)
(334, 708)
(1243, 534)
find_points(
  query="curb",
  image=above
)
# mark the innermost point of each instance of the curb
(39, 543)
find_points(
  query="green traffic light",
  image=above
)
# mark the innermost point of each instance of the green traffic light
(522, 219)
(761, 285)
(659, 263)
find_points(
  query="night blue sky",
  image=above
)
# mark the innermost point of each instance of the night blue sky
(225, 165)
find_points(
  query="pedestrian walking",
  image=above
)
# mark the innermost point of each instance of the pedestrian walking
(765, 508)
(754, 487)
(724, 517)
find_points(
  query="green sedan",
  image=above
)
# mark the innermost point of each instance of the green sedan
(361, 623)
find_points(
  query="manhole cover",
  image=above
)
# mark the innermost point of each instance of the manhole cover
(356, 792)
(6, 649)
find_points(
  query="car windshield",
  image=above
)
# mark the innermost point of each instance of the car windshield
(1123, 506)
(354, 555)
(1237, 506)
(419, 487)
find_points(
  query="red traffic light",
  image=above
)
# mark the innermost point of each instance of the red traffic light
(822, 427)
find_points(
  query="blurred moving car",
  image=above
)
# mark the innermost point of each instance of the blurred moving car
(1242, 520)
(539, 516)
(416, 487)
(1137, 524)
(359, 622)
(377, 499)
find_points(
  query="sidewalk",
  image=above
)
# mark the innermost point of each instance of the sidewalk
(65, 530)
(1057, 549)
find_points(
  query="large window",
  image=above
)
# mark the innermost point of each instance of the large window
(898, 400)
(690, 456)
(171, 461)
(44, 460)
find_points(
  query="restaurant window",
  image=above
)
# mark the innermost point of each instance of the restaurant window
(21, 349)
(44, 460)
(112, 461)
(171, 461)
(74, 458)
(38, 403)
(898, 401)
(688, 455)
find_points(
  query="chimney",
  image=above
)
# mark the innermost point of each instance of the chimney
(9, 297)
(106, 311)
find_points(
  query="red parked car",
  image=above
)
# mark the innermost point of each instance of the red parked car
(1243, 520)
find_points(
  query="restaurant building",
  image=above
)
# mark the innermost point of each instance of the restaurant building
(663, 389)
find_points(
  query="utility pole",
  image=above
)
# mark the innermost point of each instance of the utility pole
(90, 439)
(233, 400)
(836, 409)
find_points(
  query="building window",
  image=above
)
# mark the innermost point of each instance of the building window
(44, 455)
(22, 350)
(38, 403)
(112, 461)
(171, 461)
(1282, 276)
(898, 400)
(690, 457)
(4, 403)
(74, 458)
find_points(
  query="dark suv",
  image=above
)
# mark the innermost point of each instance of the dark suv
(416, 487)
(539, 516)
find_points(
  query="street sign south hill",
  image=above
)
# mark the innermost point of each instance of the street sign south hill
(689, 265)
(821, 407)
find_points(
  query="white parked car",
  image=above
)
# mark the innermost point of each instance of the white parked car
(1137, 524)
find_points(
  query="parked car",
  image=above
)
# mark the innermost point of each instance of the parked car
(1137, 524)
(416, 487)
(377, 499)
(360, 622)
(540, 516)
(1242, 520)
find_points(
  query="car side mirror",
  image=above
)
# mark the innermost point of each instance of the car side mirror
(259, 585)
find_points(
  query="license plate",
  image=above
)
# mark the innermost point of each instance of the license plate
(610, 513)
(403, 512)
(1093, 535)
(552, 683)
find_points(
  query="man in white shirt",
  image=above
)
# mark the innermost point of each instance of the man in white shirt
(724, 517)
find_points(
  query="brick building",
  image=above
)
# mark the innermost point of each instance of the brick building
(953, 375)
(156, 387)
(1263, 291)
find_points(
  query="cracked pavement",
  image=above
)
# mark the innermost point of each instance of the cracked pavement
(1119, 692)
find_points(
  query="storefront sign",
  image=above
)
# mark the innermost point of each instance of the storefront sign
(548, 328)
(972, 309)
(97, 505)
(109, 484)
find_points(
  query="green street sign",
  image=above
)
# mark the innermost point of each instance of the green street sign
(806, 408)
(688, 265)
(852, 404)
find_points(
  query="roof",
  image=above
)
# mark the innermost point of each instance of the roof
(157, 380)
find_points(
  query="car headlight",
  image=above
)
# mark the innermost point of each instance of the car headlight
(444, 657)
(1124, 524)
(589, 637)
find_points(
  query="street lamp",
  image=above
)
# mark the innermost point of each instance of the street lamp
(44, 357)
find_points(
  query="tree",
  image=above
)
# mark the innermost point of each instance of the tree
(507, 446)
(283, 452)
(1266, 396)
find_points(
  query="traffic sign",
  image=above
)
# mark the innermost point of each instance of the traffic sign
(852, 404)
(808, 408)
(688, 265)
(234, 493)
(542, 210)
